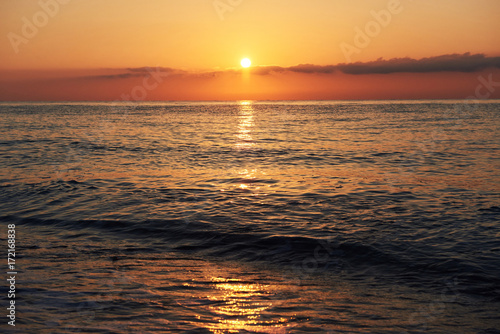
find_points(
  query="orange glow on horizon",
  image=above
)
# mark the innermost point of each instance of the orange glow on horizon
(203, 42)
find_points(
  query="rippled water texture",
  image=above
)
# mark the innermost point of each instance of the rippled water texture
(253, 217)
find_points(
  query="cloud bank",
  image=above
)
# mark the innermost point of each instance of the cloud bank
(446, 76)
(445, 63)
(464, 63)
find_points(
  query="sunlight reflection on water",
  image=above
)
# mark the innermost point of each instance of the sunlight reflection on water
(240, 306)
(245, 125)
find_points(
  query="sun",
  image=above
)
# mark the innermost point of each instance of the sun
(245, 62)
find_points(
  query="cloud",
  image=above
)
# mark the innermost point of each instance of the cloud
(137, 72)
(445, 63)
(265, 70)
(308, 68)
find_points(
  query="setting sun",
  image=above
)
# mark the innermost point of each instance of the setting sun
(245, 62)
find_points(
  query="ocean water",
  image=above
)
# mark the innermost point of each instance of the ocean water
(253, 217)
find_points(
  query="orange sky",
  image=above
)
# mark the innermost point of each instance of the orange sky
(85, 49)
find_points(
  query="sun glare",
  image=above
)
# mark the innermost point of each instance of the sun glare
(245, 62)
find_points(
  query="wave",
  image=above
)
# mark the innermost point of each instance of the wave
(304, 255)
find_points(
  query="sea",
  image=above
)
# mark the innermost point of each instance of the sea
(251, 216)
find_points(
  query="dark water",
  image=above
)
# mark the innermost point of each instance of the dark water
(327, 217)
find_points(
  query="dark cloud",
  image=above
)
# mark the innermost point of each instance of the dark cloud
(446, 63)
(136, 72)
(147, 70)
(265, 70)
(308, 68)
(113, 76)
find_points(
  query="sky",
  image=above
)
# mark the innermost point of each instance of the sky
(300, 49)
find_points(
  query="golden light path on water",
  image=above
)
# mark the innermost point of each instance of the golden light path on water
(245, 125)
(244, 137)
(241, 306)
